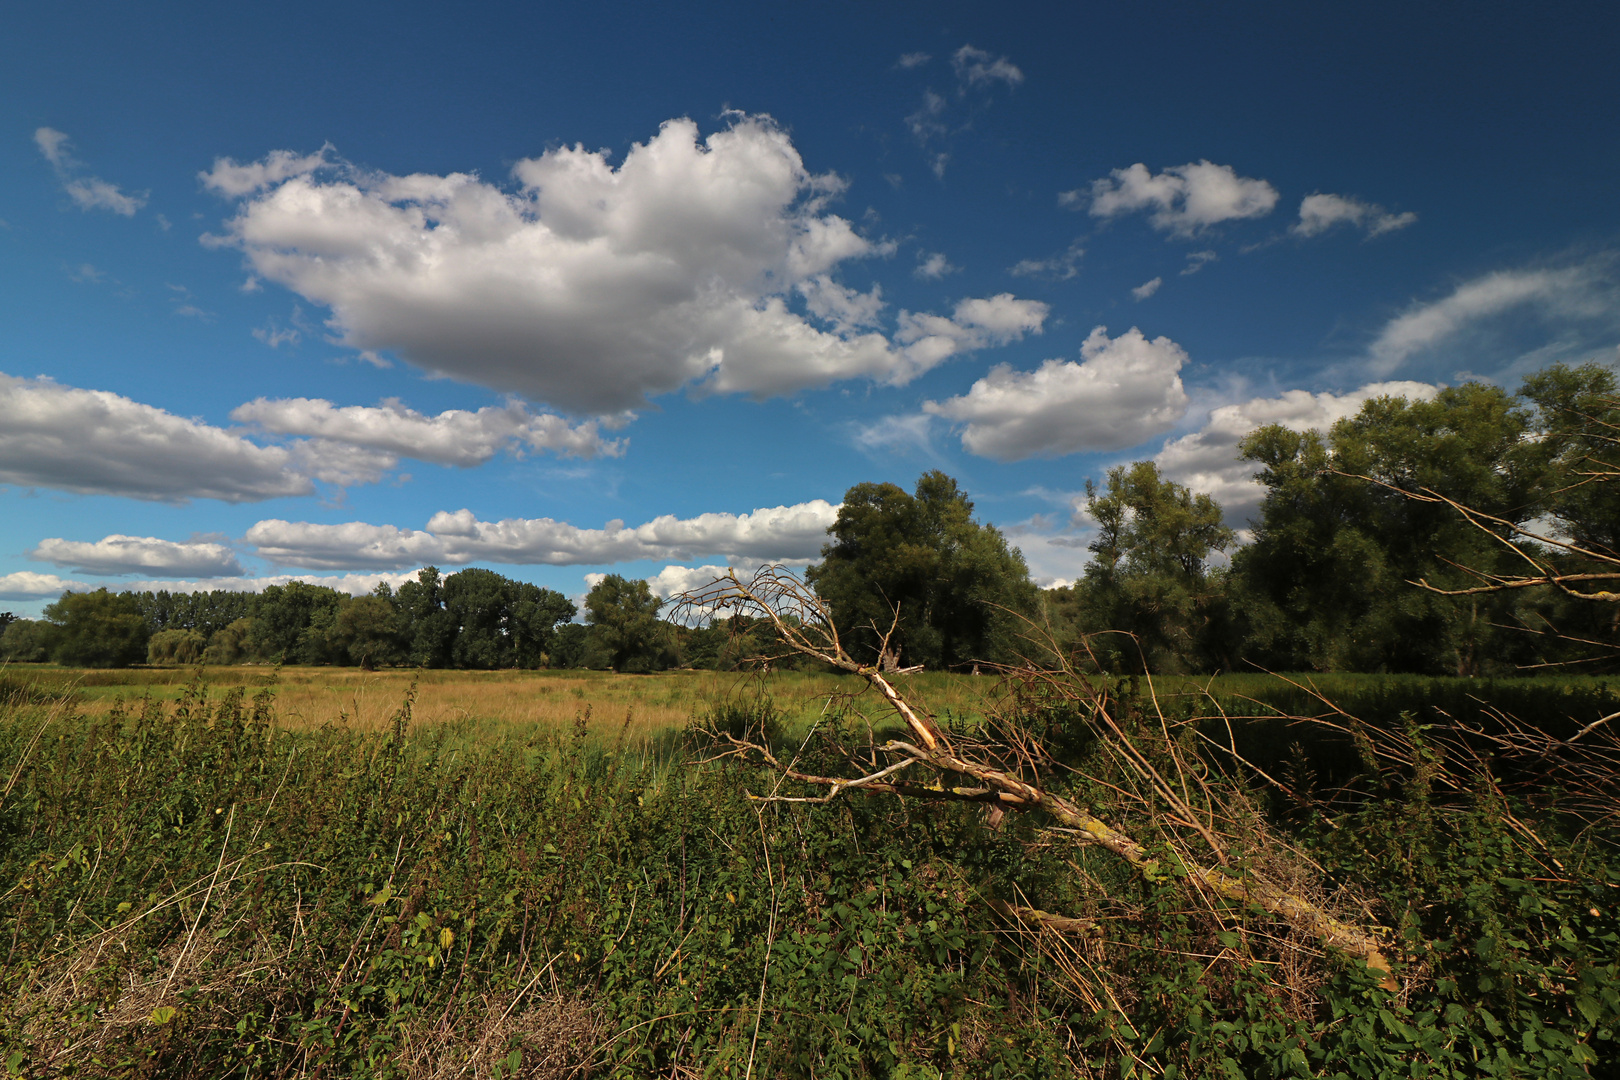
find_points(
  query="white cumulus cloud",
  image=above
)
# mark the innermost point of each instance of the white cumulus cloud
(98, 442)
(1183, 200)
(591, 287)
(231, 180)
(454, 437)
(27, 585)
(931, 266)
(1124, 390)
(1147, 288)
(975, 324)
(781, 533)
(1319, 213)
(119, 554)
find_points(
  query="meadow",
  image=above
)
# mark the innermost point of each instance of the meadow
(643, 707)
(633, 708)
(316, 872)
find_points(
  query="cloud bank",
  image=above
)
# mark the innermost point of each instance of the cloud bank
(781, 533)
(27, 585)
(454, 437)
(100, 443)
(119, 554)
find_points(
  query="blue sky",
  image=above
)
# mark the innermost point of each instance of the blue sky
(340, 290)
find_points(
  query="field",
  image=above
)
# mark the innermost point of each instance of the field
(635, 708)
(618, 708)
(195, 884)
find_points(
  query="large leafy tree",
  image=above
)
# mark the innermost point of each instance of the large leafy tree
(26, 641)
(1559, 581)
(1327, 583)
(367, 631)
(294, 624)
(1150, 574)
(1578, 428)
(430, 629)
(958, 587)
(626, 633)
(97, 629)
(500, 622)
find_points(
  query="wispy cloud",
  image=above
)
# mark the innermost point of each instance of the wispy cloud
(975, 67)
(895, 434)
(88, 192)
(1319, 213)
(931, 266)
(943, 115)
(1059, 267)
(1197, 260)
(1579, 298)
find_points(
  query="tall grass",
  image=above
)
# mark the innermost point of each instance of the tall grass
(208, 885)
(493, 702)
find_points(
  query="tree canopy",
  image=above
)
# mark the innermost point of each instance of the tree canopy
(957, 585)
(1361, 559)
(626, 633)
(97, 629)
(1150, 575)
(1328, 580)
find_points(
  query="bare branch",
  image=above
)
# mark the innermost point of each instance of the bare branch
(803, 621)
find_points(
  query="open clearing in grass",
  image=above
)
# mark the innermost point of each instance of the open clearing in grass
(630, 707)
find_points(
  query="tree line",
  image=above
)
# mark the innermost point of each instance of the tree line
(1353, 557)
(474, 618)
(1355, 560)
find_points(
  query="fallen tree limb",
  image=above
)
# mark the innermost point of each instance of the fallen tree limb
(804, 625)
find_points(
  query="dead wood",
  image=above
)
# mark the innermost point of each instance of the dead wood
(1008, 773)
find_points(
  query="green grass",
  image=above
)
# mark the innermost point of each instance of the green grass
(197, 887)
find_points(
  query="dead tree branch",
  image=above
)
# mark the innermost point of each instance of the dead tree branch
(804, 624)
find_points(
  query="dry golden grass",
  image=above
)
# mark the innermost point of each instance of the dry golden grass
(311, 697)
